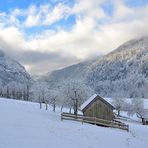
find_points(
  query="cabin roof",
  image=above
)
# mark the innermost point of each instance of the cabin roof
(92, 98)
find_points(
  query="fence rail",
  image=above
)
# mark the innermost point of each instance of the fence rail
(94, 120)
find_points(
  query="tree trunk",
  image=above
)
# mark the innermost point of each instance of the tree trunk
(61, 108)
(118, 113)
(70, 110)
(75, 102)
(40, 105)
(46, 105)
(54, 106)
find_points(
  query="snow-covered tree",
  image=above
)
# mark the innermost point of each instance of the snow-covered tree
(53, 96)
(74, 93)
(39, 92)
(137, 107)
(118, 103)
(15, 90)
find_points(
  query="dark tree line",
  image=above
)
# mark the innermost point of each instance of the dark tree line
(19, 92)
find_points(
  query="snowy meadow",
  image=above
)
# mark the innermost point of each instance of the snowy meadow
(24, 124)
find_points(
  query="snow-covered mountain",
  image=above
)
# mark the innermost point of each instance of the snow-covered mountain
(123, 72)
(11, 71)
(76, 71)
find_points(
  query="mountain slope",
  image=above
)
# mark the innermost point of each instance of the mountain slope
(121, 73)
(12, 71)
(76, 71)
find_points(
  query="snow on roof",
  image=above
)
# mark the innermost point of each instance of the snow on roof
(88, 101)
(109, 100)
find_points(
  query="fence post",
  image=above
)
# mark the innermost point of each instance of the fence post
(128, 128)
(95, 120)
(112, 123)
(82, 120)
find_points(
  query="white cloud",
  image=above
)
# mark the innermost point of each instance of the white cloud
(59, 12)
(8, 20)
(32, 20)
(85, 38)
(12, 38)
(45, 14)
(121, 10)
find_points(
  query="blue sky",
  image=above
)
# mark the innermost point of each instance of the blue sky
(136, 3)
(7, 5)
(64, 32)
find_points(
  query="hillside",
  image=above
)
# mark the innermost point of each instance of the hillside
(11, 71)
(121, 73)
(23, 125)
(74, 71)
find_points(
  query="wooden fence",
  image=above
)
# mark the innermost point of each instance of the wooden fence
(94, 120)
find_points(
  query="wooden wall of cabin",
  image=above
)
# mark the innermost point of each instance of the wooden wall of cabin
(99, 109)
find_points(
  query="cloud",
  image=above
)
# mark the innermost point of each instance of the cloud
(45, 14)
(37, 62)
(84, 8)
(12, 38)
(93, 32)
(8, 20)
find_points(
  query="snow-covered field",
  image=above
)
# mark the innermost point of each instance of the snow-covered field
(24, 125)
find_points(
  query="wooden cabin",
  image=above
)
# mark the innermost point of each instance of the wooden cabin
(98, 107)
